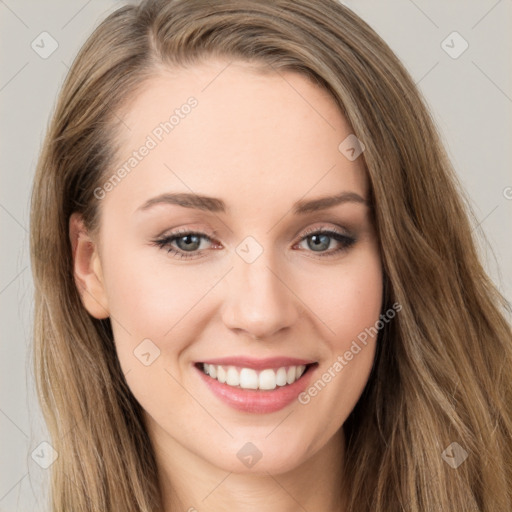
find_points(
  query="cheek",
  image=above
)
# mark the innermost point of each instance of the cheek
(147, 288)
(152, 303)
(150, 298)
(351, 309)
(347, 299)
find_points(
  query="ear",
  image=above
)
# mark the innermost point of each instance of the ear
(87, 269)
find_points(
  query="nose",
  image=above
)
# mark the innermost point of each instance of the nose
(258, 301)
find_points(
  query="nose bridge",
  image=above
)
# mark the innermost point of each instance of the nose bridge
(258, 300)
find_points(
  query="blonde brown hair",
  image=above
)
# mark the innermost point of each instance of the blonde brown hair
(442, 368)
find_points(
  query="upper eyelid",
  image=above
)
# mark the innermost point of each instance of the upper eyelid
(325, 229)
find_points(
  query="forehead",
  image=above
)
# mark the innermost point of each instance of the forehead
(225, 129)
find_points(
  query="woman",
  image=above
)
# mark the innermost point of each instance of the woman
(260, 288)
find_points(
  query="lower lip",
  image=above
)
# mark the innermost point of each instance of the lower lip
(258, 401)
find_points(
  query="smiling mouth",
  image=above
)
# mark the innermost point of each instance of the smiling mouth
(247, 378)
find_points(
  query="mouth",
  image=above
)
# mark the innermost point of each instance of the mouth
(266, 379)
(256, 386)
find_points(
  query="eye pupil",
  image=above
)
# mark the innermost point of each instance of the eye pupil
(323, 244)
(189, 239)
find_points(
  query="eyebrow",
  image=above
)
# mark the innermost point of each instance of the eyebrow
(216, 205)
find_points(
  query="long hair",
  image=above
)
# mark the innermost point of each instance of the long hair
(442, 368)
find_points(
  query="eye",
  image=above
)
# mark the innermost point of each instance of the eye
(188, 243)
(319, 239)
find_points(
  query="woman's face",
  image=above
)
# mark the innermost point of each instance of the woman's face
(249, 279)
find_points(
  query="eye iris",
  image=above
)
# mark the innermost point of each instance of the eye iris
(323, 244)
(187, 247)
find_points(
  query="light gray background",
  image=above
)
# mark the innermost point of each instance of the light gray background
(470, 98)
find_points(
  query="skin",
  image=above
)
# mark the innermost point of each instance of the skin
(260, 142)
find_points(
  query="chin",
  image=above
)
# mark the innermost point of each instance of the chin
(260, 456)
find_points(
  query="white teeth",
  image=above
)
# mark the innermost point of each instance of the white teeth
(247, 378)
(221, 374)
(281, 377)
(267, 379)
(233, 377)
(300, 370)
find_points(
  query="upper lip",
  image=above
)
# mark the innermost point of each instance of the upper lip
(258, 364)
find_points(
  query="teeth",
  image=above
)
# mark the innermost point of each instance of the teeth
(247, 378)
(221, 374)
(233, 377)
(281, 377)
(267, 379)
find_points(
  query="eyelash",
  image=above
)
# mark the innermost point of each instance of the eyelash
(165, 242)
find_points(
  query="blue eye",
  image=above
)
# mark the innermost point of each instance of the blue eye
(186, 244)
(320, 239)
